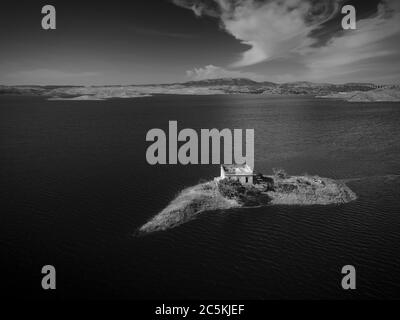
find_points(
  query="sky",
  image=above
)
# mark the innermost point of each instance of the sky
(167, 41)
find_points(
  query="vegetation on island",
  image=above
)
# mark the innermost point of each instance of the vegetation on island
(245, 195)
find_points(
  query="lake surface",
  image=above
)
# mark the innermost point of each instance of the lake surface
(75, 186)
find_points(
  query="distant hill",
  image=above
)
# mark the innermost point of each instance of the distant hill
(377, 95)
(224, 82)
(299, 87)
(202, 87)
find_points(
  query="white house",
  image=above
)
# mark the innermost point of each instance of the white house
(242, 173)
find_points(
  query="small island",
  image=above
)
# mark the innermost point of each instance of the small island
(238, 186)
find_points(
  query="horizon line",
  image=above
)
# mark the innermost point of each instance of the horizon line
(194, 81)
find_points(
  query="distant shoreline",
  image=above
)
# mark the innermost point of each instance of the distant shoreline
(353, 92)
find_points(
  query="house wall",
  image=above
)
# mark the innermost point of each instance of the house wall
(222, 173)
(246, 179)
(242, 179)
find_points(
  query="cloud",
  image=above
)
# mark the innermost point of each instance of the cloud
(349, 51)
(214, 72)
(201, 7)
(279, 31)
(270, 28)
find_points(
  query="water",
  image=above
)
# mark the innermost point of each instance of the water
(75, 186)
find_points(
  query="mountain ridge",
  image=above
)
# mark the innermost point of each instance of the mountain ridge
(200, 87)
(211, 81)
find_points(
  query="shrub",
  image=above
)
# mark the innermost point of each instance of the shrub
(246, 194)
(288, 187)
(231, 188)
(280, 173)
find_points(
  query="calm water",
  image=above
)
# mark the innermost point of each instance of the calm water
(75, 185)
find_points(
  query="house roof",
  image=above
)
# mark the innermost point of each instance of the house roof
(237, 170)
